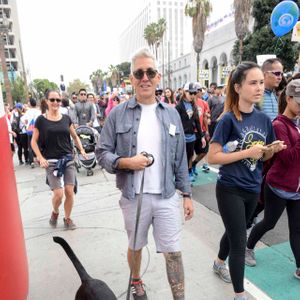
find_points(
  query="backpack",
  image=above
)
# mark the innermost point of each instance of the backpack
(15, 125)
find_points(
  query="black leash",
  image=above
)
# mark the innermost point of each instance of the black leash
(138, 212)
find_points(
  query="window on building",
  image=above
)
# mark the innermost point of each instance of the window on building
(179, 64)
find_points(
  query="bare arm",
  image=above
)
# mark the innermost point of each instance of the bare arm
(217, 156)
(35, 148)
(77, 141)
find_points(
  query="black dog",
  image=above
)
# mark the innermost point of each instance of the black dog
(90, 289)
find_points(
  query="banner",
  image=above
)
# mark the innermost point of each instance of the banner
(13, 259)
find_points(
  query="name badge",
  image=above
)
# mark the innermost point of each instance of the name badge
(172, 129)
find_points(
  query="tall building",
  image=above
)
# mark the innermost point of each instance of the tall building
(178, 36)
(12, 41)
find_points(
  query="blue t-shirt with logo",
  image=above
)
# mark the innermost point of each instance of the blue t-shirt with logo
(255, 128)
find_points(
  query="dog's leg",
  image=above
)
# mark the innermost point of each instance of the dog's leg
(175, 274)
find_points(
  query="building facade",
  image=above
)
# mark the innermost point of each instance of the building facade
(178, 36)
(12, 41)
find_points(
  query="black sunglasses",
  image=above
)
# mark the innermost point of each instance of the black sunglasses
(139, 73)
(55, 99)
(277, 73)
(192, 93)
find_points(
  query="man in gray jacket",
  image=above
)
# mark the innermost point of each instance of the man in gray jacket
(144, 124)
(84, 111)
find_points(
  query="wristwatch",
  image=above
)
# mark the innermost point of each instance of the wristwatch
(187, 195)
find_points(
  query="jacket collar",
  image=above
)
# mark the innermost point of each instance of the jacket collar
(132, 103)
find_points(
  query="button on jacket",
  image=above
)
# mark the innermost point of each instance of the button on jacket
(119, 138)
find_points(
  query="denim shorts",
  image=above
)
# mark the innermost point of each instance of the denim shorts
(59, 182)
(165, 215)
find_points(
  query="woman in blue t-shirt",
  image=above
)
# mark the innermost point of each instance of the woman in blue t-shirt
(250, 132)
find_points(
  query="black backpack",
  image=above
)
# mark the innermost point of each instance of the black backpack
(15, 125)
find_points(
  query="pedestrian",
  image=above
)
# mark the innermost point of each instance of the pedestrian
(84, 111)
(96, 123)
(19, 127)
(204, 115)
(282, 187)
(188, 112)
(273, 74)
(145, 124)
(52, 145)
(29, 118)
(239, 180)
(169, 97)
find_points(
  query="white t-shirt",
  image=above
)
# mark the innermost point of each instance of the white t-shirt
(95, 123)
(149, 140)
(31, 114)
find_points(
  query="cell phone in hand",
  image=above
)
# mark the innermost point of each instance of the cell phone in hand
(274, 143)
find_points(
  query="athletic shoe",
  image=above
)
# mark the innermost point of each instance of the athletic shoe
(194, 170)
(205, 168)
(69, 224)
(21, 163)
(138, 290)
(53, 219)
(250, 260)
(222, 271)
(32, 165)
(191, 177)
(297, 273)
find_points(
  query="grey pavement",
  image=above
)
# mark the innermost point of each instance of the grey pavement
(100, 243)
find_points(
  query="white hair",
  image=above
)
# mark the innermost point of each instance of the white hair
(142, 53)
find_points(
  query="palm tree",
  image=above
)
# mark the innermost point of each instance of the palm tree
(242, 11)
(161, 27)
(199, 11)
(97, 80)
(150, 35)
(113, 73)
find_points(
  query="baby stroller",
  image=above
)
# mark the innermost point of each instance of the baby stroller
(88, 137)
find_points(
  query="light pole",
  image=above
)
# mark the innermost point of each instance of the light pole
(4, 31)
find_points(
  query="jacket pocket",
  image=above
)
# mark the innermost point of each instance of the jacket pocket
(123, 133)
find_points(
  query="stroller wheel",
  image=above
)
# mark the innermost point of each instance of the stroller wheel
(89, 173)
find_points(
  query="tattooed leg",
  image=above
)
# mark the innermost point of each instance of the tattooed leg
(175, 274)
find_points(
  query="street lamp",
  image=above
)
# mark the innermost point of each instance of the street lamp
(4, 31)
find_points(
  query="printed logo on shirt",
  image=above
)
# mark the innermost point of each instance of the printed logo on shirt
(251, 136)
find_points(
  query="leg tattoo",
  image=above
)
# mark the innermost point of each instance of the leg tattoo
(175, 274)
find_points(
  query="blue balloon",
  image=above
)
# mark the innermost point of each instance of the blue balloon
(284, 17)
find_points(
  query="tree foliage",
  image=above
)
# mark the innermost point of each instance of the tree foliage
(263, 41)
(199, 11)
(124, 69)
(40, 86)
(18, 90)
(76, 85)
(154, 33)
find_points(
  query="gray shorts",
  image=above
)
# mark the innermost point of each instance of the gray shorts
(59, 182)
(165, 217)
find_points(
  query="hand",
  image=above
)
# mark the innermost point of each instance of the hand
(188, 208)
(278, 146)
(203, 141)
(139, 162)
(256, 151)
(82, 152)
(13, 134)
(43, 162)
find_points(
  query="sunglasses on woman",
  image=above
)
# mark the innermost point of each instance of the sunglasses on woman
(55, 99)
(139, 73)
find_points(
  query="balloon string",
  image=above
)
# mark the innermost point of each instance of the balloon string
(282, 43)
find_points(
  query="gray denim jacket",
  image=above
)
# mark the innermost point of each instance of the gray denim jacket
(119, 139)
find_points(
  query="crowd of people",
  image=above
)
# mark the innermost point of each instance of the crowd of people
(250, 128)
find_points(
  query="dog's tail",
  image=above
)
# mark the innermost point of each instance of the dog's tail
(77, 264)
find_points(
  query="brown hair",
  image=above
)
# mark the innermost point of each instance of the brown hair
(237, 76)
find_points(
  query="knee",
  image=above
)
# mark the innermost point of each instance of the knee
(69, 192)
(58, 195)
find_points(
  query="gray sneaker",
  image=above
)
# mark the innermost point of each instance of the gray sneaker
(244, 297)
(222, 271)
(250, 260)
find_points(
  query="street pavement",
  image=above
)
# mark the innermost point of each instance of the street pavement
(100, 243)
